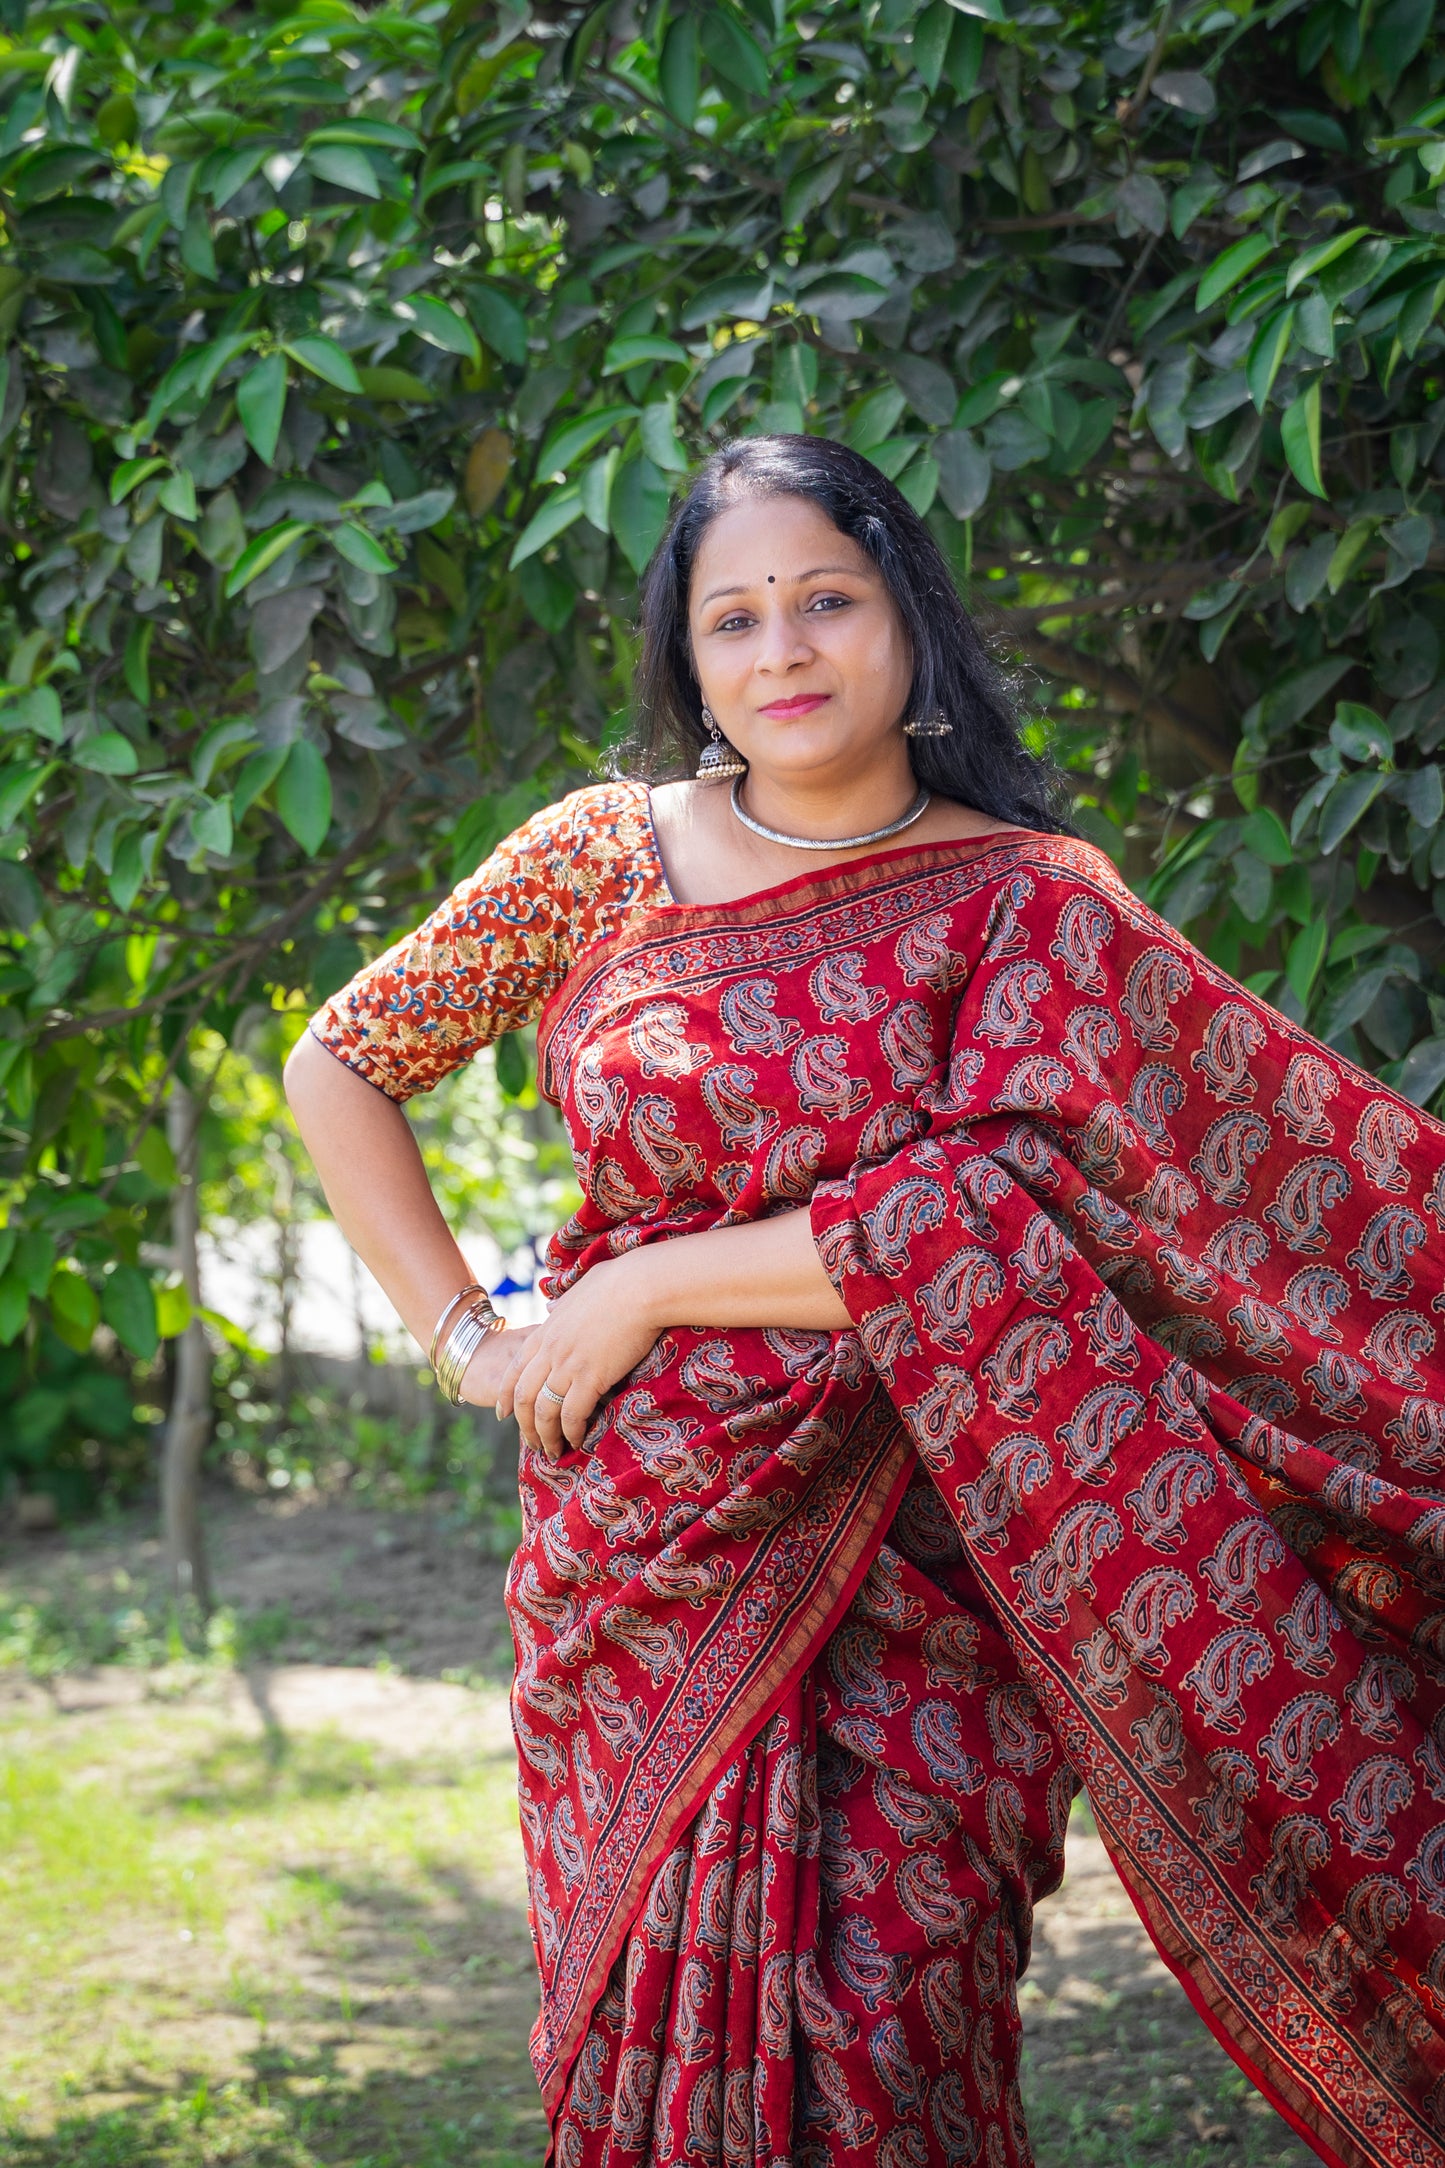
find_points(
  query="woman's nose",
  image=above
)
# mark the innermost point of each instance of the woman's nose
(782, 642)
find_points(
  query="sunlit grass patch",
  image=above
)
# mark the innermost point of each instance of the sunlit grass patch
(73, 1847)
(257, 1948)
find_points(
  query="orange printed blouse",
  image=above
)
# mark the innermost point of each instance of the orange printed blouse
(487, 959)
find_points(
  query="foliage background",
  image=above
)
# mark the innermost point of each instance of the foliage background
(352, 355)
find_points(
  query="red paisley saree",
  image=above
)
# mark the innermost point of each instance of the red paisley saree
(1128, 1474)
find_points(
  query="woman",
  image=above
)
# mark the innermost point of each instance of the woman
(994, 1352)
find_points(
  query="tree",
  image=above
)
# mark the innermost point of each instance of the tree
(353, 357)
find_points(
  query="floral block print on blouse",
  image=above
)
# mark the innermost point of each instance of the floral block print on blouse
(487, 958)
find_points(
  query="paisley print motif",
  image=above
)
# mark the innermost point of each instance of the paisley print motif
(1128, 1472)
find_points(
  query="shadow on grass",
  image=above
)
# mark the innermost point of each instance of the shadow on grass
(1134, 2080)
(302, 2112)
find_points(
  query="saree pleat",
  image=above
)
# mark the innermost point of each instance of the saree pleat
(1129, 1473)
(784, 1996)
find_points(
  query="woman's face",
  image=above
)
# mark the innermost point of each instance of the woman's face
(798, 645)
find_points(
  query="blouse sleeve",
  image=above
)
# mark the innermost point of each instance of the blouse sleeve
(482, 965)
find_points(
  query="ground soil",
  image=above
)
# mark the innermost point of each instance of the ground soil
(370, 1609)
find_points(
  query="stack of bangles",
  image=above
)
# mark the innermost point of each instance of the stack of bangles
(462, 1327)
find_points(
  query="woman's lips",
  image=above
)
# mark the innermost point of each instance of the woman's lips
(800, 704)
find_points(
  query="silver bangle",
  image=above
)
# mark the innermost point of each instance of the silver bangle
(475, 1288)
(476, 1323)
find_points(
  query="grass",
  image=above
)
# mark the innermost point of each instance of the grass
(79, 1625)
(224, 1944)
(1138, 2082)
(227, 1945)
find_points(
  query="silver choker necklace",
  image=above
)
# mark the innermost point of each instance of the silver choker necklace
(919, 806)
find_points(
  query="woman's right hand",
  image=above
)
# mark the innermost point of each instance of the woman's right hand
(493, 1364)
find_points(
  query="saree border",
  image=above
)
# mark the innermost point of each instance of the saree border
(675, 928)
(670, 939)
(1197, 1920)
(1121, 1796)
(750, 1695)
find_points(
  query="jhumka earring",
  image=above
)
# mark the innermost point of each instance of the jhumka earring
(937, 726)
(719, 759)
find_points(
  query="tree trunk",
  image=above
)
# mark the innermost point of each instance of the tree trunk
(189, 1423)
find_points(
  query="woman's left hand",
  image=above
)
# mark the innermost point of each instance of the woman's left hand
(592, 1336)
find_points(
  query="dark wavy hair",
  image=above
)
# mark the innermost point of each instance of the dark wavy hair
(981, 762)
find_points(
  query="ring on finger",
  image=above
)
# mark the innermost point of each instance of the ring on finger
(548, 1392)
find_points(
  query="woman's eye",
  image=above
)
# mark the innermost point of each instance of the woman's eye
(732, 624)
(829, 602)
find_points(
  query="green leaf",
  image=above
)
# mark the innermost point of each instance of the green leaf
(679, 72)
(568, 442)
(931, 34)
(1227, 270)
(37, 710)
(256, 776)
(1306, 954)
(627, 353)
(264, 551)
(1289, 700)
(232, 174)
(18, 784)
(500, 322)
(399, 387)
(385, 134)
(809, 190)
(1300, 429)
(657, 427)
(211, 827)
(1421, 307)
(303, 796)
(1422, 1072)
(130, 474)
(1424, 795)
(344, 165)
(1360, 734)
(108, 753)
(1348, 551)
(440, 326)
(157, 1162)
(360, 548)
(733, 51)
(1264, 834)
(261, 403)
(639, 510)
(128, 1306)
(324, 358)
(33, 1261)
(561, 510)
(513, 1069)
(1271, 344)
(127, 871)
(747, 294)
(173, 1312)
(1324, 252)
(991, 11)
(177, 495)
(1348, 802)
(14, 1309)
(222, 534)
(964, 472)
(74, 1309)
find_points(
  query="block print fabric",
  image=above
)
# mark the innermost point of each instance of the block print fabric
(1146, 1290)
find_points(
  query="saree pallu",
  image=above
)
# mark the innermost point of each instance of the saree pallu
(1128, 1473)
